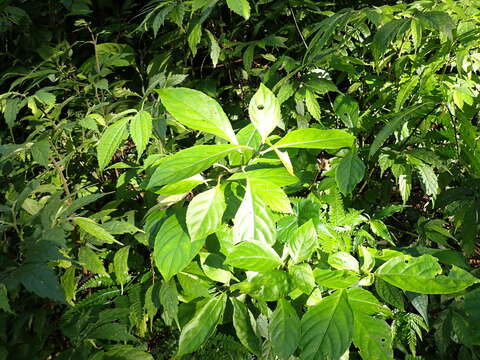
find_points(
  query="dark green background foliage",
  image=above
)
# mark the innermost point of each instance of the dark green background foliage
(239, 179)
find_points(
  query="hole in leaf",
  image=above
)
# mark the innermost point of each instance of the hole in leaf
(406, 261)
(382, 340)
(260, 107)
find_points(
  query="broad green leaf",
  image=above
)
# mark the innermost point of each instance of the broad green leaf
(90, 259)
(241, 7)
(173, 249)
(193, 39)
(347, 110)
(373, 337)
(316, 139)
(69, 284)
(41, 152)
(242, 322)
(110, 141)
(390, 294)
(12, 107)
(168, 297)
(264, 111)
(247, 136)
(141, 130)
(268, 286)
(349, 172)
(277, 175)
(403, 174)
(380, 229)
(273, 195)
(253, 256)
(204, 213)
(126, 352)
(438, 20)
(198, 111)
(181, 187)
(4, 303)
(213, 265)
(429, 179)
(40, 279)
(120, 265)
(284, 329)
(364, 302)
(253, 221)
(111, 331)
(92, 228)
(189, 162)
(312, 105)
(202, 325)
(302, 277)
(302, 242)
(285, 159)
(327, 329)
(423, 275)
(343, 261)
(335, 279)
(405, 91)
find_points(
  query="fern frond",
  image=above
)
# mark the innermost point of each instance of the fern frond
(96, 282)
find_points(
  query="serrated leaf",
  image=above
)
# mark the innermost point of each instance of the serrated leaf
(390, 294)
(173, 249)
(429, 179)
(349, 172)
(202, 325)
(110, 141)
(327, 329)
(240, 7)
(204, 213)
(141, 130)
(242, 322)
(278, 176)
(111, 331)
(214, 48)
(92, 228)
(120, 265)
(364, 302)
(41, 152)
(302, 242)
(12, 107)
(315, 139)
(386, 34)
(193, 38)
(168, 297)
(40, 279)
(189, 162)
(424, 275)
(264, 111)
(373, 337)
(312, 105)
(253, 221)
(198, 111)
(253, 256)
(347, 110)
(284, 329)
(91, 260)
(380, 229)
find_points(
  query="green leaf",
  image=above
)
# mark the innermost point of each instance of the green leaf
(335, 279)
(390, 294)
(302, 242)
(316, 139)
(126, 352)
(253, 221)
(403, 174)
(284, 329)
(302, 277)
(189, 162)
(41, 152)
(380, 229)
(264, 111)
(120, 265)
(204, 213)
(173, 249)
(429, 179)
(198, 111)
(278, 176)
(273, 195)
(312, 105)
(91, 260)
(168, 297)
(253, 256)
(4, 304)
(396, 123)
(343, 261)
(202, 325)
(12, 107)
(110, 141)
(92, 228)
(242, 322)
(193, 38)
(373, 337)
(240, 7)
(347, 110)
(364, 302)
(111, 331)
(327, 329)
(40, 279)
(386, 34)
(141, 130)
(267, 286)
(423, 275)
(438, 20)
(214, 48)
(350, 171)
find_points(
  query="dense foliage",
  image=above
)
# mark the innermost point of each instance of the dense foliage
(239, 179)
